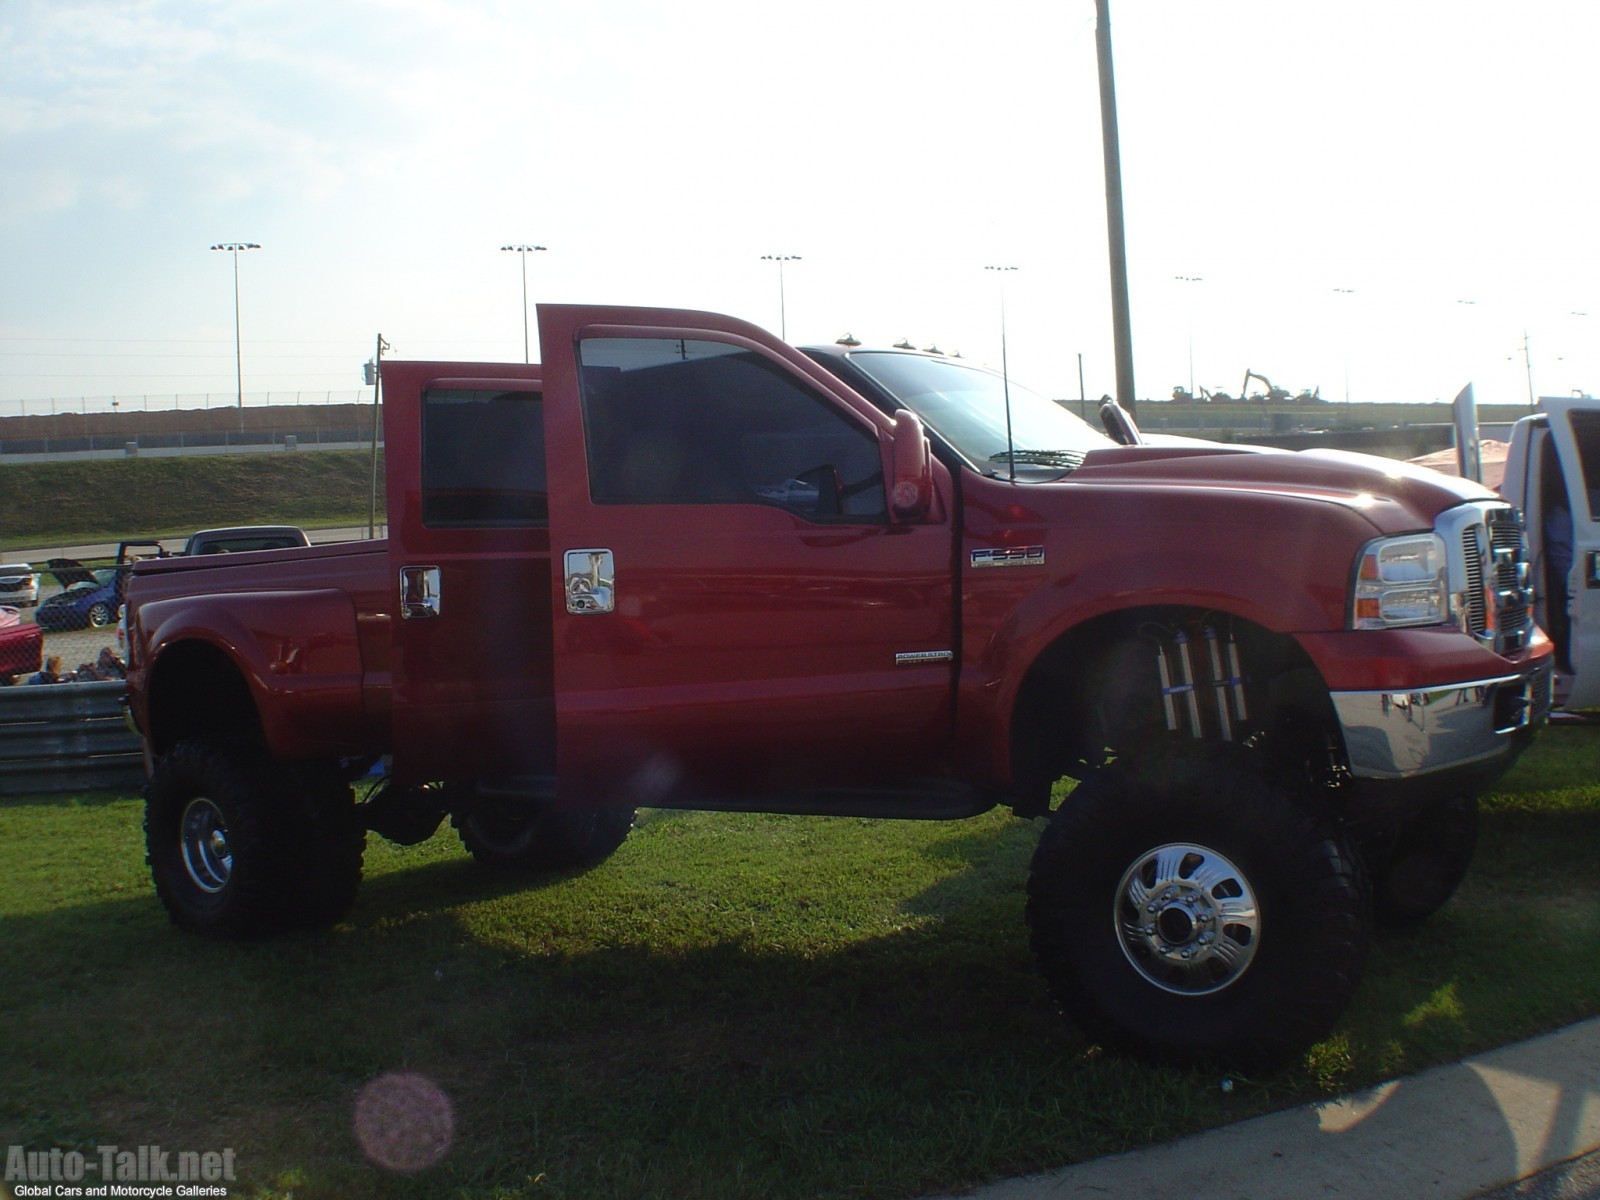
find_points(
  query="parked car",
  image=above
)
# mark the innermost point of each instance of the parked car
(21, 646)
(246, 537)
(19, 585)
(88, 599)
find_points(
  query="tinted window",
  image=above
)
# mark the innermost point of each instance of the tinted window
(671, 421)
(1586, 430)
(483, 459)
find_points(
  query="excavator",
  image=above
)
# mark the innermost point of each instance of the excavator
(1274, 393)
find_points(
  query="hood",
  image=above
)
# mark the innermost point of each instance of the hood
(69, 571)
(1394, 496)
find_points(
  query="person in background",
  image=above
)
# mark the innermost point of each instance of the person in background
(51, 673)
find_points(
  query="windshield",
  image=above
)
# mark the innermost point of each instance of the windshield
(966, 406)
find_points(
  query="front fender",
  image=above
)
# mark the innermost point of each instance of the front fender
(1288, 576)
(296, 651)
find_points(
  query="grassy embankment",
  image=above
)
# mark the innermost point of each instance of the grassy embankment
(733, 1006)
(65, 503)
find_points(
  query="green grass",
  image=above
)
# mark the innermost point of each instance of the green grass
(733, 1006)
(60, 503)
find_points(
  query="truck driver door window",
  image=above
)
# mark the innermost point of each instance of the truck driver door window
(483, 460)
(677, 421)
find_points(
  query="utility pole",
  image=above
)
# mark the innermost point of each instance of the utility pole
(374, 376)
(1121, 323)
(1527, 365)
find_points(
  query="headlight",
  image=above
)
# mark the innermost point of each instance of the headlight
(1401, 581)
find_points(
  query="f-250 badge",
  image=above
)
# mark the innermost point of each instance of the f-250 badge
(1009, 556)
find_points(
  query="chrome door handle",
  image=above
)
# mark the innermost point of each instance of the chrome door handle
(591, 582)
(419, 593)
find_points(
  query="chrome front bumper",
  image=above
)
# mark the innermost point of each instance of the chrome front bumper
(1397, 735)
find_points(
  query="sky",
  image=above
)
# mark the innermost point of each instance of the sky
(1380, 199)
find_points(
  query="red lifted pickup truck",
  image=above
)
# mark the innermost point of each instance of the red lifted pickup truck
(682, 564)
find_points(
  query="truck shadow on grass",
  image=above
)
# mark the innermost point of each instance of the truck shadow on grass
(733, 1006)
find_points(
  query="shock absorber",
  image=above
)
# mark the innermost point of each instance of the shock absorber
(1219, 683)
(1175, 669)
(1182, 676)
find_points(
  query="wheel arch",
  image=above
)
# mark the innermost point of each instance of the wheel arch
(284, 667)
(196, 689)
(1096, 691)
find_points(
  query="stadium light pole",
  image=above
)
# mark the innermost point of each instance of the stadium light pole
(238, 354)
(1345, 307)
(1189, 306)
(522, 251)
(783, 315)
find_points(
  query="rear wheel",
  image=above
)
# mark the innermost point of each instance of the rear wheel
(527, 835)
(1192, 910)
(331, 848)
(240, 845)
(100, 615)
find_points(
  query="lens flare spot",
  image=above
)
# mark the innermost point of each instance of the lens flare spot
(404, 1122)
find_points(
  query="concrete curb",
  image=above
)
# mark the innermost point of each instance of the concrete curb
(1451, 1132)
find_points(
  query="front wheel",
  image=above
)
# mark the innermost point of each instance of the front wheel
(1416, 876)
(526, 835)
(1192, 910)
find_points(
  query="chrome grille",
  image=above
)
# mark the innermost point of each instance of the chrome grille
(1496, 599)
(1477, 601)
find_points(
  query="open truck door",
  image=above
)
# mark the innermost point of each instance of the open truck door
(1553, 475)
(469, 551)
(743, 603)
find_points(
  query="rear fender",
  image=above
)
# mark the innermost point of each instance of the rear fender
(296, 652)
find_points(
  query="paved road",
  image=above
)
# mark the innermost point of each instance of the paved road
(1518, 1122)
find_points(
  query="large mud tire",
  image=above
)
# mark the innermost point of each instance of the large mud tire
(1416, 877)
(331, 848)
(524, 836)
(1191, 910)
(241, 846)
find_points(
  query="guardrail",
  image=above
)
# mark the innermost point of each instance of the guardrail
(66, 737)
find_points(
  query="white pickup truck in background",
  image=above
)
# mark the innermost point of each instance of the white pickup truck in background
(1550, 469)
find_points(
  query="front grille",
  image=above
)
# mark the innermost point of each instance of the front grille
(1497, 601)
(1477, 600)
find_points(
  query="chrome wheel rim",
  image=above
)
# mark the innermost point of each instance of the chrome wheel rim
(1187, 919)
(207, 854)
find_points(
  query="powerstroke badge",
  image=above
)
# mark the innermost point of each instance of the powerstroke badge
(1009, 556)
